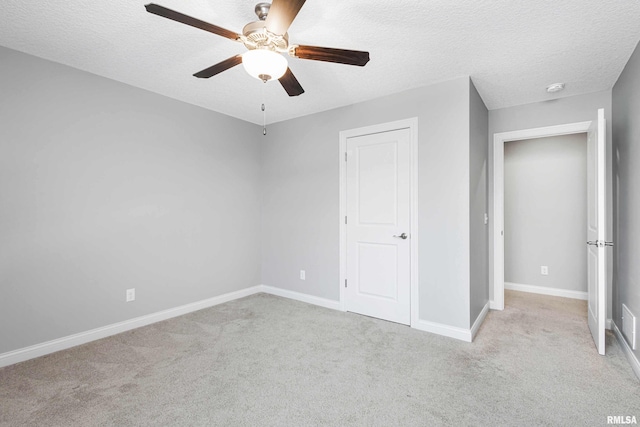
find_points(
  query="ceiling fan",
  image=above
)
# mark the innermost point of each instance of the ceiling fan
(266, 40)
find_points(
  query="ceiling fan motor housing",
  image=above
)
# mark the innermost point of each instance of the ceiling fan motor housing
(256, 36)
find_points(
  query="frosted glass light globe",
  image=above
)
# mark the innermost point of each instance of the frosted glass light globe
(264, 64)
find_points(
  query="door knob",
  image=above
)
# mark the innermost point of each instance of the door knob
(403, 236)
(599, 243)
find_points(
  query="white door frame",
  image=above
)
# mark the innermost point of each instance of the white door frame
(498, 194)
(412, 125)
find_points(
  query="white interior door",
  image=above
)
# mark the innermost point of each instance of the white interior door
(596, 231)
(378, 225)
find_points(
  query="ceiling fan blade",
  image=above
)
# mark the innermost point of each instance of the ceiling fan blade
(291, 84)
(281, 15)
(219, 67)
(179, 17)
(341, 56)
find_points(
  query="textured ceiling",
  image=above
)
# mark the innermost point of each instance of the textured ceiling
(511, 49)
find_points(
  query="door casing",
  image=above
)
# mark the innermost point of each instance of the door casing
(412, 125)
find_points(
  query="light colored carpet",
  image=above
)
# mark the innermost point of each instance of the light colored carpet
(264, 360)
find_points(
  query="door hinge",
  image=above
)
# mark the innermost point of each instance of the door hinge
(345, 156)
(345, 283)
(345, 219)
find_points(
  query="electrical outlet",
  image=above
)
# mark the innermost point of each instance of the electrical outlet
(303, 275)
(131, 294)
(544, 270)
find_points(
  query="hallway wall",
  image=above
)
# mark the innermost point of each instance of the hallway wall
(545, 212)
(626, 134)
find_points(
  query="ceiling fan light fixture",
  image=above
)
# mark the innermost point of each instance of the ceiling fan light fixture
(264, 64)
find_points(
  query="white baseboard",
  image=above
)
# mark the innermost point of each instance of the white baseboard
(37, 350)
(479, 320)
(633, 360)
(495, 306)
(445, 330)
(63, 343)
(462, 334)
(422, 325)
(546, 291)
(309, 299)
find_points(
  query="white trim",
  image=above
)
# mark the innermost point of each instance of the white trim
(343, 213)
(633, 360)
(608, 324)
(498, 193)
(412, 125)
(494, 306)
(422, 325)
(564, 293)
(69, 341)
(498, 224)
(37, 350)
(445, 330)
(466, 335)
(415, 282)
(309, 299)
(479, 320)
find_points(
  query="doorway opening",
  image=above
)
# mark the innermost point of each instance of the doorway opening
(499, 141)
(596, 216)
(545, 215)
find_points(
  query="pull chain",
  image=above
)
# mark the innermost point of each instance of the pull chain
(264, 113)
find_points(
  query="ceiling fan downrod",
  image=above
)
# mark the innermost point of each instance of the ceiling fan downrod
(262, 10)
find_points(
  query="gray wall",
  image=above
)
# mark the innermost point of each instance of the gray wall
(626, 137)
(300, 193)
(545, 211)
(105, 187)
(560, 111)
(479, 231)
